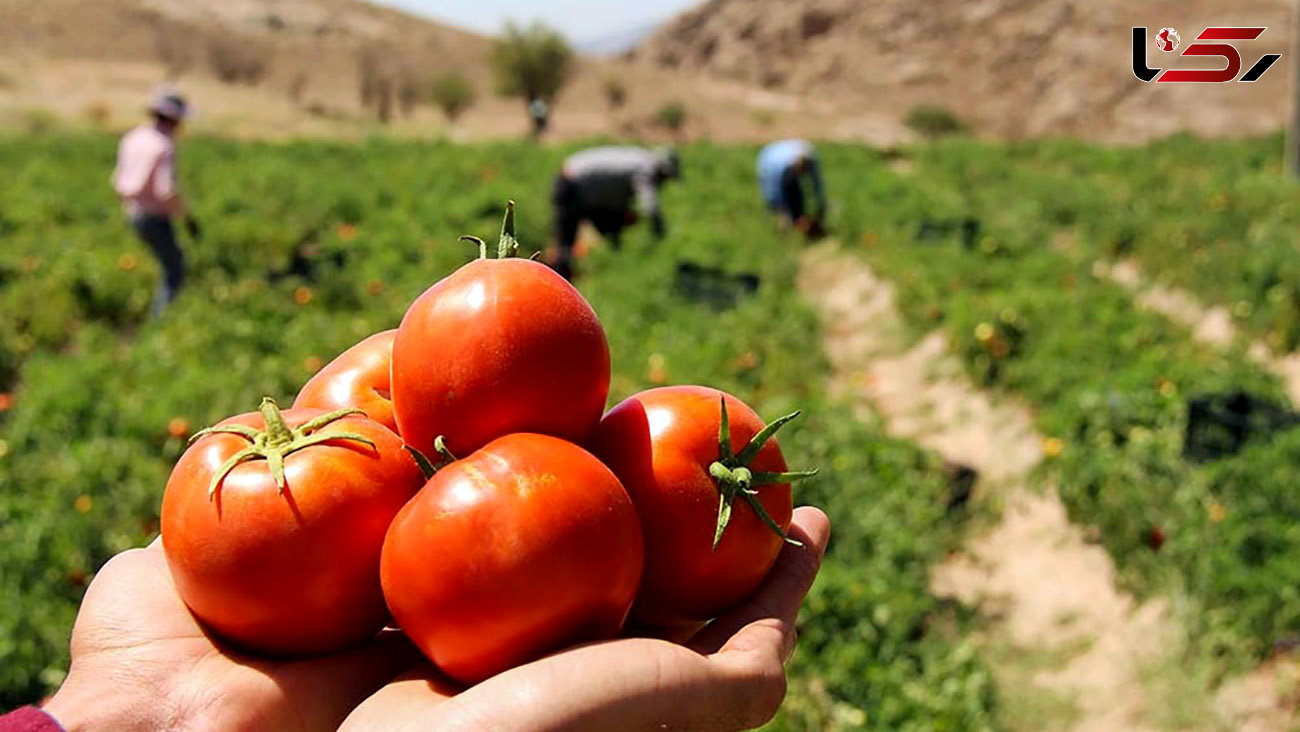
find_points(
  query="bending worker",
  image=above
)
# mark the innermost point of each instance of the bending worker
(784, 169)
(608, 186)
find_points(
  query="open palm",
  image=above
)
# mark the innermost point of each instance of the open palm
(141, 661)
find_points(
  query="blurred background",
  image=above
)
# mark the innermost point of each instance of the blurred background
(1046, 349)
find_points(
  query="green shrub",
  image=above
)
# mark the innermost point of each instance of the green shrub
(932, 121)
(452, 93)
(671, 116)
(615, 92)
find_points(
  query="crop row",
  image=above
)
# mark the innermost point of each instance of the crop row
(1216, 219)
(986, 244)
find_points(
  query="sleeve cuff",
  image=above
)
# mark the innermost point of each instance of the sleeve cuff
(29, 719)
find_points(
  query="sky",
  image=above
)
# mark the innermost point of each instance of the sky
(580, 20)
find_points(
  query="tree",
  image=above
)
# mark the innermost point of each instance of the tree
(533, 62)
(452, 93)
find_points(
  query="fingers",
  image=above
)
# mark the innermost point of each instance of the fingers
(680, 633)
(773, 607)
(409, 701)
(328, 689)
(629, 685)
(633, 684)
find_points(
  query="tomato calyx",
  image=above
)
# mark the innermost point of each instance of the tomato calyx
(507, 245)
(731, 473)
(427, 466)
(277, 441)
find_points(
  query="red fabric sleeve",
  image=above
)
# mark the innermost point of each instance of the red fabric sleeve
(29, 719)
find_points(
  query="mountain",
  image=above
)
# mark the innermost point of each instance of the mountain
(1012, 68)
(252, 66)
(291, 68)
(616, 42)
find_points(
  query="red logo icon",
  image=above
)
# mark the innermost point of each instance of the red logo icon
(1167, 40)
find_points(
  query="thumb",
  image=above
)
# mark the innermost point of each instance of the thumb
(768, 616)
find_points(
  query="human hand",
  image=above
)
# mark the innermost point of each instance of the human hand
(140, 661)
(729, 676)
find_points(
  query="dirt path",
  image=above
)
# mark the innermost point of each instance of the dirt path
(1211, 325)
(1047, 592)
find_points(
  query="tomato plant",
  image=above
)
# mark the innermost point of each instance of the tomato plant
(273, 522)
(524, 547)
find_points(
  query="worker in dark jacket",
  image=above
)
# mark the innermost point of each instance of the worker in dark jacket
(609, 187)
(784, 169)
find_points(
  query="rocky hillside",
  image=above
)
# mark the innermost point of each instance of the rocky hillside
(1011, 67)
(290, 68)
(316, 50)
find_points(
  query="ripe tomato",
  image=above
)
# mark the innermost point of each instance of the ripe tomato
(272, 525)
(527, 546)
(358, 377)
(499, 346)
(708, 543)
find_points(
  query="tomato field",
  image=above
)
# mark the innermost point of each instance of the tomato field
(311, 246)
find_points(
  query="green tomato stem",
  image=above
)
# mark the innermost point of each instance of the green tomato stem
(277, 441)
(507, 245)
(732, 476)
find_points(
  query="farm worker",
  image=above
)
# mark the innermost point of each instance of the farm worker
(784, 168)
(140, 661)
(540, 112)
(145, 180)
(608, 186)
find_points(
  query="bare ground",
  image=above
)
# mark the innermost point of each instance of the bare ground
(1043, 587)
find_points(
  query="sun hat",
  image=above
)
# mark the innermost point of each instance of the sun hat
(168, 103)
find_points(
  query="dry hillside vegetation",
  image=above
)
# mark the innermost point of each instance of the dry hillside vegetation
(1011, 67)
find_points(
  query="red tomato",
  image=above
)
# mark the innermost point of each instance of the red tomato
(525, 547)
(358, 377)
(499, 346)
(291, 567)
(663, 444)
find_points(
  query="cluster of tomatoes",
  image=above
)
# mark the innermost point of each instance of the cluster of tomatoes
(456, 478)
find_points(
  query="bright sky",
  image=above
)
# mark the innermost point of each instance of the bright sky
(580, 20)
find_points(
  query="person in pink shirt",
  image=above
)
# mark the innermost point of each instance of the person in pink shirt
(145, 180)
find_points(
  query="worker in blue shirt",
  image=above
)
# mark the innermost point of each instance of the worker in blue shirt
(784, 169)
